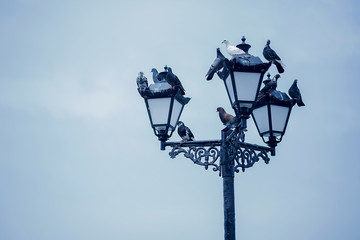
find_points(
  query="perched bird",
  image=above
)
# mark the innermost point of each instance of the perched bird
(294, 92)
(234, 122)
(174, 81)
(216, 65)
(232, 50)
(224, 116)
(270, 84)
(155, 75)
(184, 132)
(276, 77)
(271, 56)
(141, 81)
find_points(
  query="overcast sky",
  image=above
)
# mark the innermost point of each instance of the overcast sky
(79, 160)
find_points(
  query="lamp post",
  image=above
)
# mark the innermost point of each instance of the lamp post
(242, 77)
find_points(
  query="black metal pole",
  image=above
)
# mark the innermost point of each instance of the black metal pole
(227, 173)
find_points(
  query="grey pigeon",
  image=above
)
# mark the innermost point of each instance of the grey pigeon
(271, 56)
(232, 50)
(294, 92)
(216, 65)
(155, 75)
(141, 81)
(184, 132)
(224, 116)
(174, 81)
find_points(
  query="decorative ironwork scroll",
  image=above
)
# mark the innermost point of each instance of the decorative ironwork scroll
(242, 155)
(203, 156)
(246, 157)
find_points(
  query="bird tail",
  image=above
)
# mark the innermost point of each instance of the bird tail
(210, 75)
(182, 90)
(279, 66)
(300, 103)
(282, 64)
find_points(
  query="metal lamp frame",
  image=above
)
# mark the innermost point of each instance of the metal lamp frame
(268, 100)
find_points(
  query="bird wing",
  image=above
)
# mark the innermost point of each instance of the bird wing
(181, 131)
(270, 54)
(215, 66)
(138, 81)
(189, 133)
(232, 50)
(156, 77)
(273, 54)
(228, 117)
(225, 117)
(174, 81)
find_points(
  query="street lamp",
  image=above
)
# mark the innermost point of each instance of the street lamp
(242, 78)
(271, 114)
(164, 109)
(270, 109)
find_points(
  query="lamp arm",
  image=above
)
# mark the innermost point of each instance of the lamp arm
(203, 153)
(208, 153)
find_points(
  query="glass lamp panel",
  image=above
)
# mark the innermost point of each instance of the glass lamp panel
(247, 84)
(163, 127)
(159, 110)
(230, 88)
(175, 113)
(261, 117)
(279, 116)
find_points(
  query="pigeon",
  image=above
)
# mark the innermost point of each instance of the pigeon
(276, 77)
(294, 92)
(232, 50)
(155, 75)
(224, 116)
(271, 56)
(234, 122)
(174, 81)
(141, 81)
(270, 85)
(216, 65)
(184, 132)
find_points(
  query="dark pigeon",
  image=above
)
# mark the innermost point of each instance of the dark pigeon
(270, 85)
(184, 132)
(224, 116)
(276, 77)
(174, 81)
(216, 65)
(141, 81)
(294, 92)
(271, 56)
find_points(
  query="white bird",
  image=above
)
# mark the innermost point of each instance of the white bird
(232, 50)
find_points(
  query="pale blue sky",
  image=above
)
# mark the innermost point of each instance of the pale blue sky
(78, 159)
